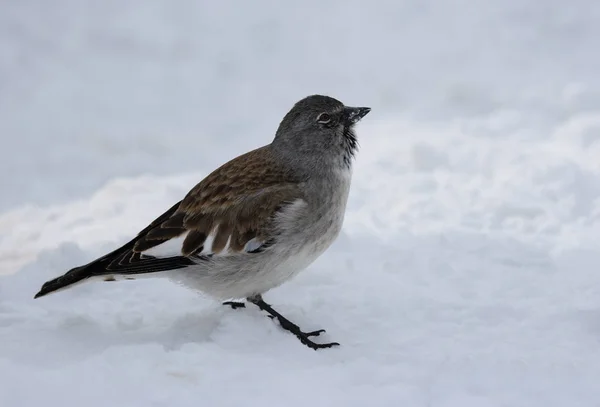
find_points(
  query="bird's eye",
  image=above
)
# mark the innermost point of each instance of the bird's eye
(324, 118)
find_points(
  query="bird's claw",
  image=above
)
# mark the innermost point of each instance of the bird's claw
(315, 333)
(313, 345)
(235, 304)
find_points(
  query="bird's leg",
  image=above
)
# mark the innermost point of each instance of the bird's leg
(235, 304)
(290, 326)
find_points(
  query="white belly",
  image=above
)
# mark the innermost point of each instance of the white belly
(302, 256)
(305, 233)
(301, 248)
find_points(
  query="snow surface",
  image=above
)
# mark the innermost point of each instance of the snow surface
(467, 272)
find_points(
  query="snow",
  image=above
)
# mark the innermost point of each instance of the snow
(467, 270)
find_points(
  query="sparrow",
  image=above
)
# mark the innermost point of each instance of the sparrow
(253, 223)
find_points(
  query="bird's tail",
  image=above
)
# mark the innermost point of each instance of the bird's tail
(114, 266)
(71, 277)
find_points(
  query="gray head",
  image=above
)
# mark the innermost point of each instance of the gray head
(322, 128)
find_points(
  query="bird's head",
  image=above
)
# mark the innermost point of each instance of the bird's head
(321, 126)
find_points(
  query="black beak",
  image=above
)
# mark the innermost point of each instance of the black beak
(353, 114)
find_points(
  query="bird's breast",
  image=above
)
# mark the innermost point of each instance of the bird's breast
(324, 214)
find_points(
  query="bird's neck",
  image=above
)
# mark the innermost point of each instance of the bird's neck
(311, 162)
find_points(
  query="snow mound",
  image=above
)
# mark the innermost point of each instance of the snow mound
(465, 276)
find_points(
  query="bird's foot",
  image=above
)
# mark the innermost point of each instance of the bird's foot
(304, 337)
(288, 325)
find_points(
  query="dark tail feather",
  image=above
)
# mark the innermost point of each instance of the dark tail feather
(119, 262)
(108, 265)
(70, 277)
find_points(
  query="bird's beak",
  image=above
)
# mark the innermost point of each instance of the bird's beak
(353, 114)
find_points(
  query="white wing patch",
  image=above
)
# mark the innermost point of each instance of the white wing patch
(252, 245)
(173, 246)
(170, 248)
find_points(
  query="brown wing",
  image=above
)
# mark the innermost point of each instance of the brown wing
(234, 205)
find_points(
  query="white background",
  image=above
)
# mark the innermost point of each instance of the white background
(467, 273)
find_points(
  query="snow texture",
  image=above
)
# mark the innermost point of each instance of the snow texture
(467, 270)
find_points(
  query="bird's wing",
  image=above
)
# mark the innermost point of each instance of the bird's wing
(230, 211)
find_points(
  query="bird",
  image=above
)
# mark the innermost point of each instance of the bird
(253, 223)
